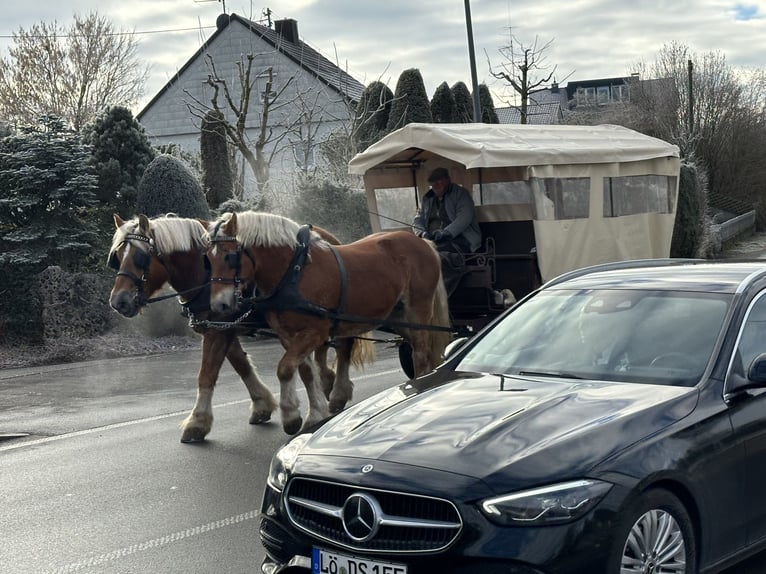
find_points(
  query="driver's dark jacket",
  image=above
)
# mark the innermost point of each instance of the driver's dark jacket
(460, 210)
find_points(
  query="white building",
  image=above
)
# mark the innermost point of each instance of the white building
(313, 101)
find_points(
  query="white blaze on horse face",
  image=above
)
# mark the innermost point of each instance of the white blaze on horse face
(126, 253)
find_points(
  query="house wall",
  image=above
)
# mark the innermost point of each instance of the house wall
(169, 119)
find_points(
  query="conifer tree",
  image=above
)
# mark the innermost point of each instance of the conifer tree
(372, 114)
(217, 179)
(488, 113)
(168, 186)
(443, 109)
(47, 192)
(120, 153)
(463, 103)
(411, 102)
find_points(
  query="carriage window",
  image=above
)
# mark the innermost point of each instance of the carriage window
(561, 198)
(629, 195)
(396, 206)
(502, 193)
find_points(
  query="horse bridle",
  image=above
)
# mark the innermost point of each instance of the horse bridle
(141, 259)
(234, 260)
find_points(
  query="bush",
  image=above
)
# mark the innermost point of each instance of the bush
(689, 228)
(339, 209)
(168, 186)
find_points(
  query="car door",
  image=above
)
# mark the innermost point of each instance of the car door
(748, 416)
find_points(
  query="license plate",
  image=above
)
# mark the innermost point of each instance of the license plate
(324, 562)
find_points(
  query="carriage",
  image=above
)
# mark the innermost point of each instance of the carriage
(549, 199)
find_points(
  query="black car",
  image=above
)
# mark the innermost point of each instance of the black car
(613, 421)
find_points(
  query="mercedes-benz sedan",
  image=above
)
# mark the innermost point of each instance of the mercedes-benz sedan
(613, 421)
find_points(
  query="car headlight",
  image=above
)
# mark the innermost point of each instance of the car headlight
(283, 461)
(546, 505)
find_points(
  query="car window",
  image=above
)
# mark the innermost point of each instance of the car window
(752, 338)
(663, 337)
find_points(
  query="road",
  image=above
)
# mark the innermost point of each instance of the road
(103, 484)
(99, 482)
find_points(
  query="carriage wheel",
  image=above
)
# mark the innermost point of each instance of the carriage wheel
(405, 359)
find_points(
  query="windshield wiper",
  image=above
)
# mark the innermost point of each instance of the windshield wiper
(557, 375)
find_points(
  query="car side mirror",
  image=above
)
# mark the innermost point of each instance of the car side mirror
(757, 371)
(452, 348)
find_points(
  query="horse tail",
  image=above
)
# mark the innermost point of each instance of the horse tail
(362, 351)
(440, 318)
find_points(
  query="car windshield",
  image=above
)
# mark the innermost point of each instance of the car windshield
(643, 336)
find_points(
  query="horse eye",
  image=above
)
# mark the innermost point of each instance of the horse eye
(141, 259)
(232, 259)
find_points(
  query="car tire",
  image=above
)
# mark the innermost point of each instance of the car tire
(405, 359)
(649, 528)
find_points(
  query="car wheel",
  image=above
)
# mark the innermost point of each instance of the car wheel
(405, 359)
(655, 535)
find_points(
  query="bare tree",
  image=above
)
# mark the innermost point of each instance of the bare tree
(719, 119)
(74, 73)
(524, 69)
(299, 117)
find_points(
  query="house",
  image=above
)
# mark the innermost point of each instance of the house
(314, 93)
(551, 105)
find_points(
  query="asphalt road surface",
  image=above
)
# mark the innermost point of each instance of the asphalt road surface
(96, 480)
(102, 484)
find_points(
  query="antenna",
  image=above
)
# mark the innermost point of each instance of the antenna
(267, 15)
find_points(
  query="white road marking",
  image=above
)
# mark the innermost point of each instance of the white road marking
(85, 432)
(156, 543)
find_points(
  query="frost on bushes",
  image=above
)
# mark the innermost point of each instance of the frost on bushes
(74, 304)
(168, 186)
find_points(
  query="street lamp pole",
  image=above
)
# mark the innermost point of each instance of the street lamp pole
(472, 56)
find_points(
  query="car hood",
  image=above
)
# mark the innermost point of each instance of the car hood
(499, 426)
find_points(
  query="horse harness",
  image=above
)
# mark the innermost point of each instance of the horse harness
(286, 295)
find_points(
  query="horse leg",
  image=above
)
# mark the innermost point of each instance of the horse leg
(421, 351)
(343, 389)
(297, 358)
(318, 409)
(215, 345)
(262, 402)
(326, 374)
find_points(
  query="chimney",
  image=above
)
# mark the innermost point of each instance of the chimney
(288, 29)
(555, 88)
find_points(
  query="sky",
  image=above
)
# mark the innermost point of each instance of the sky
(378, 39)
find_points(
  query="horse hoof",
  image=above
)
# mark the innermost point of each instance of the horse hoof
(337, 406)
(192, 436)
(260, 418)
(293, 426)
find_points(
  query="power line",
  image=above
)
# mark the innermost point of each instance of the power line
(146, 32)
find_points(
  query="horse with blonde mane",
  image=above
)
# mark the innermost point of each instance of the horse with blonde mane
(149, 253)
(314, 291)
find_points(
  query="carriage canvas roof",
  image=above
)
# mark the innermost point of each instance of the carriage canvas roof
(502, 145)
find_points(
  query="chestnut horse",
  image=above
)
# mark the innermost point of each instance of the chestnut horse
(315, 291)
(150, 253)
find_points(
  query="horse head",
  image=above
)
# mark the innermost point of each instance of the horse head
(139, 271)
(229, 263)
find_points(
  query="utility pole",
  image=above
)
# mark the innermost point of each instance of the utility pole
(472, 57)
(690, 119)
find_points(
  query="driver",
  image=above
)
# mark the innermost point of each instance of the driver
(447, 216)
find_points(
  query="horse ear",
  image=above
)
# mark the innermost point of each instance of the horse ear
(231, 225)
(118, 221)
(143, 224)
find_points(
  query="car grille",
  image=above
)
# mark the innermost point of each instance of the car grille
(407, 522)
